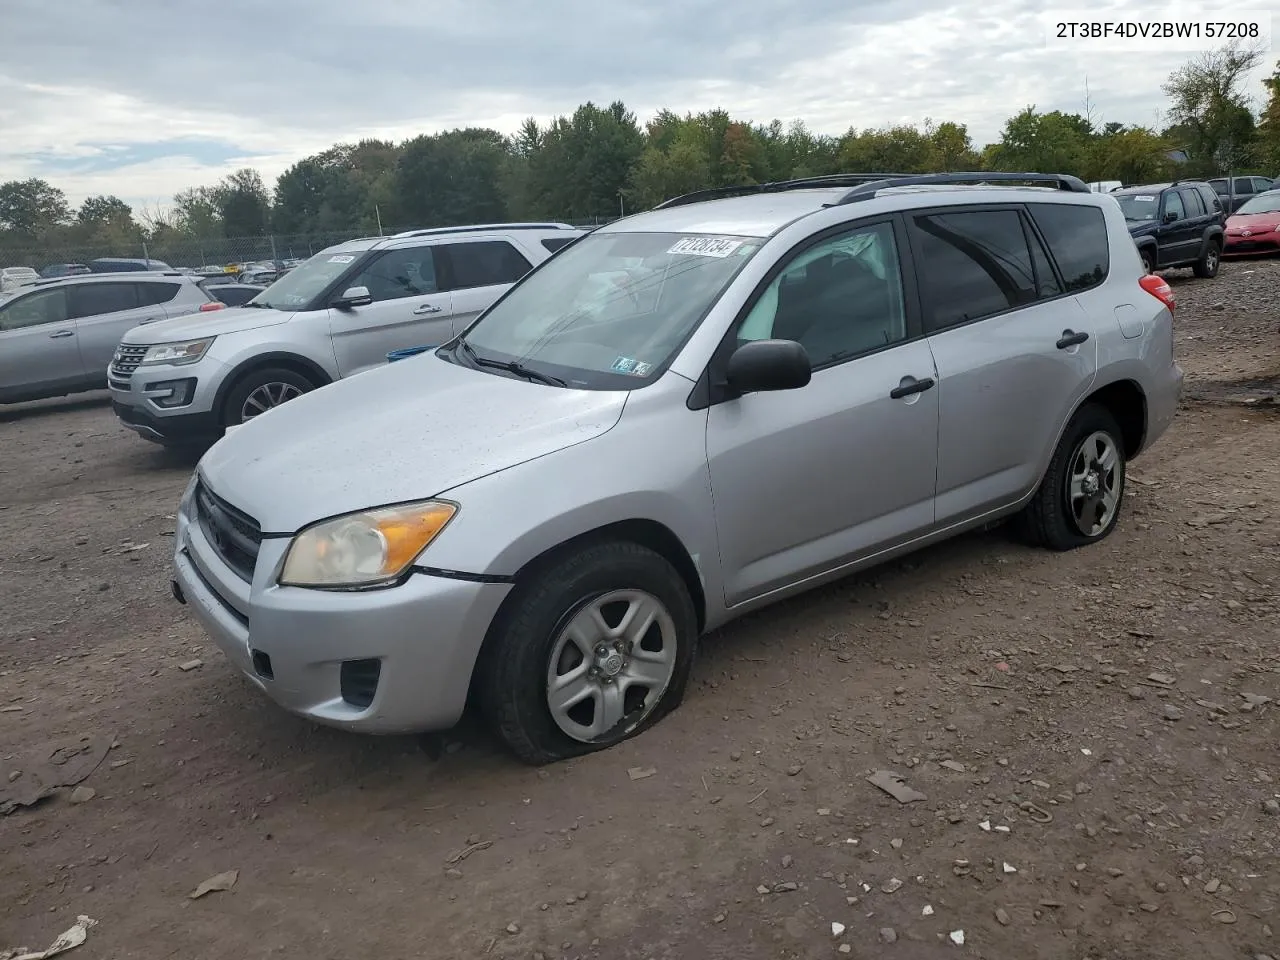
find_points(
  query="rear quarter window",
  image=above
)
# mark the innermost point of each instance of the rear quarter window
(1077, 239)
(156, 293)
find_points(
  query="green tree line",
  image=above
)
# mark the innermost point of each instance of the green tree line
(600, 162)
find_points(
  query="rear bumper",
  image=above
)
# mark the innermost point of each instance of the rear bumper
(1162, 405)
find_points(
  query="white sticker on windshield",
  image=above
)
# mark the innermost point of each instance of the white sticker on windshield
(341, 258)
(1146, 199)
(704, 247)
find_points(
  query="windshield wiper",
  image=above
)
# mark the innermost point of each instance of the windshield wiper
(511, 366)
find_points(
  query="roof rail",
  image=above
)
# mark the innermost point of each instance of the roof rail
(777, 186)
(480, 226)
(1060, 181)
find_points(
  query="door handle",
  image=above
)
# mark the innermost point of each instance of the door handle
(1071, 339)
(907, 389)
(427, 308)
(62, 333)
(148, 320)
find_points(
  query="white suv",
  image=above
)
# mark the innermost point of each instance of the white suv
(340, 313)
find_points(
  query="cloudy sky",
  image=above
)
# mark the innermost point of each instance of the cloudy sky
(142, 98)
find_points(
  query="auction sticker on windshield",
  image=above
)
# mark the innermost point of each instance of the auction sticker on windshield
(704, 247)
(341, 258)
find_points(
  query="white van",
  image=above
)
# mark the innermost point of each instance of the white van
(11, 278)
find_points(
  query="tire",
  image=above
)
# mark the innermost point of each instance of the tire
(1207, 266)
(530, 646)
(1050, 519)
(1148, 260)
(260, 384)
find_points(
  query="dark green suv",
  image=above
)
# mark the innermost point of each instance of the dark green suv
(1179, 224)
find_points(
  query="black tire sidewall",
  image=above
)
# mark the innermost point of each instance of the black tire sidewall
(514, 666)
(1148, 261)
(236, 397)
(1202, 268)
(1056, 525)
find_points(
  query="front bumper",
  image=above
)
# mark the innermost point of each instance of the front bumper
(138, 400)
(1255, 244)
(302, 647)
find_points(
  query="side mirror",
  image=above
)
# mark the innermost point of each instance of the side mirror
(354, 297)
(768, 365)
(1170, 216)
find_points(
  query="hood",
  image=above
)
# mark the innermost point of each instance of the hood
(1140, 228)
(1260, 222)
(411, 430)
(193, 326)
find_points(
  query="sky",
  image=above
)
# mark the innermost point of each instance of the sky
(143, 98)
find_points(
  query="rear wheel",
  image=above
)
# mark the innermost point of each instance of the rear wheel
(1078, 502)
(261, 390)
(592, 651)
(1207, 266)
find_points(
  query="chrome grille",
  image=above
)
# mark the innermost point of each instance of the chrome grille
(126, 360)
(233, 534)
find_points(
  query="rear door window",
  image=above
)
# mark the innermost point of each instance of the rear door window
(972, 264)
(94, 299)
(1077, 239)
(484, 263)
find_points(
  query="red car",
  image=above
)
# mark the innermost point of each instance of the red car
(1255, 227)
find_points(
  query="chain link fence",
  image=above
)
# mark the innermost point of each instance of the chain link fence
(195, 252)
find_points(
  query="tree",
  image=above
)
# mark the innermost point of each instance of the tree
(102, 211)
(1034, 142)
(452, 178)
(1210, 109)
(1269, 127)
(242, 203)
(32, 207)
(900, 149)
(583, 163)
(196, 213)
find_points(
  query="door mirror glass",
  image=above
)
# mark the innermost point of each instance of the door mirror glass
(768, 365)
(353, 297)
(1170, 216)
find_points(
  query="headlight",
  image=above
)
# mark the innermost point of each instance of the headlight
(186, 351)
(364, 549)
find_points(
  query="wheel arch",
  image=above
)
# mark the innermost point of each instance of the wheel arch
(287, 361)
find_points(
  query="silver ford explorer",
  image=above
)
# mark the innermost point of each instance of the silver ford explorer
(678, 418)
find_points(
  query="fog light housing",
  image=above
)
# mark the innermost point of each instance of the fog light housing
(171, 393)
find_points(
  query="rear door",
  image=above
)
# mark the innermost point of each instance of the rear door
(478, 272)
(1198, 219)
(1014, 349)
(104, 313)
(38, 351)
(411, 308)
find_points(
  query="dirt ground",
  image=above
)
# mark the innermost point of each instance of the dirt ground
(1104, 713)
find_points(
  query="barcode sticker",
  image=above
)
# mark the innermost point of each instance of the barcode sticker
(704, 247)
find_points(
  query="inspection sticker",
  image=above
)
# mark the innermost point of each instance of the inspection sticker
(704, 247)
(341, 258)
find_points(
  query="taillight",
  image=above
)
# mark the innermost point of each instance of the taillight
(212, 305)
(1159, 288)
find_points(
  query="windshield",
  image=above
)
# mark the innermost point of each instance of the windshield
(1264, 203)
(300, 286)
(610, 311)
(1139, 206)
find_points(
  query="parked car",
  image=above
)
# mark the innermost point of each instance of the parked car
(1180, 224)
(338, 314)
(234, 294)
(11, 278)
(58, 336)
(1105, 186)
(1255, 227)
(125, 265)
(687, 415)
(54, 270)
(1234, 192)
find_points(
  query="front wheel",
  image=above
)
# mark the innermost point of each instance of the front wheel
(261, 390)
(1078, 502)
(1207, 266)
(592, 651)
(1148, 260)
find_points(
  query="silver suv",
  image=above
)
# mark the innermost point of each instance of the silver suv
(58, 336)
(339, 313)
(685, 416)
